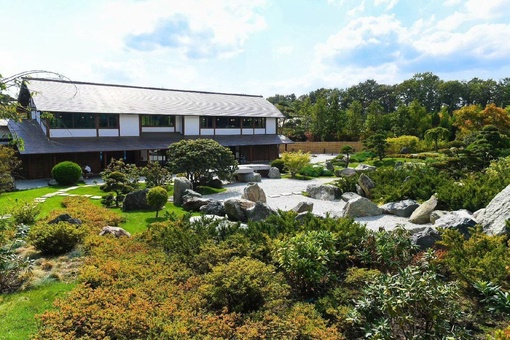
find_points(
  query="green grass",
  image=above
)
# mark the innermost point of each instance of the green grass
(17, 310)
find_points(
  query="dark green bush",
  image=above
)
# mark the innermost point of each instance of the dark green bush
(279, 163)
(55, 239)
(311, 170)
(362, 156)
(66, 173)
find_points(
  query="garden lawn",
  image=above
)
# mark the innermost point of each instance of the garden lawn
(17, 310)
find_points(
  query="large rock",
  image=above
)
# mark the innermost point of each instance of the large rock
(274, 173)
(345, 172)
(52, 182)
(426, 238)
(192, 203)
(65, 218)
(366, 185)
(303, 207)
(215, 183)
(188, 193)
(254, 193)
(497, 213)
(361, 207)
(347, 196)
(115, 231)
(325, 192)
(365, 167)
(235, 208)
(460, 220)
(136, 200)
(213, 208)
(422, 214)
(437, 214)
(401, 208)
(259, 212)
(181, 184)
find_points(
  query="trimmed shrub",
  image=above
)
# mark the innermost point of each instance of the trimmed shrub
(311, 170)
(55, 239)
(157, 198)
(66, 173)
(279, 163)
(25, 212)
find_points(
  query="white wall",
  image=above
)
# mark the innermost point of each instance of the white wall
(247, 131)
(228, 131)
(192, 125)
(207, 132)
(108, 132)
(62, 133)
(157, 129)
(178, 124)
(260, 132)
(270, 125)
(129, 125)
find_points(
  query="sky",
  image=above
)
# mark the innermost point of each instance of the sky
(261, 47)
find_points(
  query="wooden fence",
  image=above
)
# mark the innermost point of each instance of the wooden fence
(319, 147)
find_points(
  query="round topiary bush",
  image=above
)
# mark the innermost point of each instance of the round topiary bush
(66, 173)
(279, 163)
(55, 239)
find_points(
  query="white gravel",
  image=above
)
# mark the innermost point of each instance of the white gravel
(285, 194)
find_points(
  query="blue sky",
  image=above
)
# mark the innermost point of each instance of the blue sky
(256, 46)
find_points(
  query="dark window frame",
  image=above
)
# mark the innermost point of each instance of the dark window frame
(157, 121)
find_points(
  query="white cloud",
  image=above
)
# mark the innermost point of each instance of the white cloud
(285, 50)
(389, 3)
(358, 9)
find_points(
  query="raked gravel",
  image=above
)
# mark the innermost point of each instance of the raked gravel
(285, 194)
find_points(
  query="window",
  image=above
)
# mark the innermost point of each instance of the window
(108, 121)
(157, 156)
(206, 122)
(228, 123)
(247, 123)
(67, 120)
(158, 120)
(259, 123)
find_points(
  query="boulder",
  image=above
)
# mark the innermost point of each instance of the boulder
(365, 167)
(422, 214)
(259, 212)
(303, 207)
(398, 165)
(235, 208)
(366, 185)
(361, 207)
(52, 182)
(437, 214)
(215, 183)
(274, 173)
(213, 208)
(65, 218)
(116, 231)
(325, 192)
(460, 220)
(401, 208)
(497, 213)
(360, 191)
(257, 177)
(478, 215)
(181, 184)
(405, 150)
(345, 172)
(254, 193)
(329, 166)
(347, 196)
(192, 203)
(188, 194)
(426, 238)
(136, 200)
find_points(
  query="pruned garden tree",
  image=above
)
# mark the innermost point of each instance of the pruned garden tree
(347, 150)
(376, 143)
(200, 159)
(435, 135)
(156, 175)
(157, 198)
(294, 161)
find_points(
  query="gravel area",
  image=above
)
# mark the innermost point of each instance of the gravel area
(285, 194)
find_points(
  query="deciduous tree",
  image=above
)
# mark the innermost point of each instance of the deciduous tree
(294, 161)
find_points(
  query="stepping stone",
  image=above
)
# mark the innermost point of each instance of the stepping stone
(40, 199)
(297, 193)
(63, 194)
(87, 195)
(286, 194)
(96, 197)
(273, 196)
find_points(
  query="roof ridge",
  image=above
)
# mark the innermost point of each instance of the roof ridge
(139, 87)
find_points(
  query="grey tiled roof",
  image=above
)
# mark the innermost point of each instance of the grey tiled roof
(66, 96)
(36, 141)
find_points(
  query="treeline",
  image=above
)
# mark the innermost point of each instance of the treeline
(410, 108)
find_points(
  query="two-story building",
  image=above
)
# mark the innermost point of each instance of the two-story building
(92, 123)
